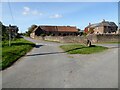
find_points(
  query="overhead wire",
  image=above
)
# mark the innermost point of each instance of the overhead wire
(11, 11)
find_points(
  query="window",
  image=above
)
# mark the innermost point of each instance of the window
(105, 27)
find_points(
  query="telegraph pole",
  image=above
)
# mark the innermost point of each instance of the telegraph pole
(9, 35)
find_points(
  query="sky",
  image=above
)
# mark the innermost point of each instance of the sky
(79, 14)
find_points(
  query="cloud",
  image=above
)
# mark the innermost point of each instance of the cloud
(56, 16)
(35, 12)
(28, 11)
(24, 13)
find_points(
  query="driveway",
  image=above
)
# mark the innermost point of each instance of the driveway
(47, 66)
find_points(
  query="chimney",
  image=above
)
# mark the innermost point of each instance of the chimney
(103, 20)
(89, 24)
(9, 25)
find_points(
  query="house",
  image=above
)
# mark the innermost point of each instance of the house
(118, 31)
(103, 27)
(54, 31)
(8, 30)
(13, 30)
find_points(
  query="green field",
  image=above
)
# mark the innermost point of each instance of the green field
(10, 54)
(82, 49)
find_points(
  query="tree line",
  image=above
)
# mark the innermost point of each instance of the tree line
(8, 30)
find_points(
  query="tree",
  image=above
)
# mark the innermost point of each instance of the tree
(4, 32)
(89, 30)
(79, 29)
(30, 29)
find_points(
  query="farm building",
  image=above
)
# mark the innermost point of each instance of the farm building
(54, 31)
(104, 27)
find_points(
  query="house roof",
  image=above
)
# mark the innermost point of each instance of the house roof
(59, 28)
(35, 29)
(67, 29)
(48, 28)
(103, 23)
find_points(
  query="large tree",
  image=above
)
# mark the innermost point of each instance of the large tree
(30, 29)
(4, 33)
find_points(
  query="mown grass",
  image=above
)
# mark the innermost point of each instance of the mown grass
(10, 54)
(82, 49)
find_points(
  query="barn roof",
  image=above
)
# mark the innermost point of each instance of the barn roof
(67, 29)
(59, 28)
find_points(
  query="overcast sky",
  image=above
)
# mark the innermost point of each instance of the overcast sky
(58, 13)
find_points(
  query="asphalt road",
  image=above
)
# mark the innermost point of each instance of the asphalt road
(47, 66)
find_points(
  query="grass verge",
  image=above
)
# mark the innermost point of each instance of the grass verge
(82, 49)
(18, 48)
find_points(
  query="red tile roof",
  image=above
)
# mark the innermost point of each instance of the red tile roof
(67, 29)
(59, 28)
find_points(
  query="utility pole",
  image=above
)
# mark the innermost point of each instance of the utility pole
(9, 35)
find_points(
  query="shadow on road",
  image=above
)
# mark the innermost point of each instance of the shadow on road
(21, 43)
(80, 48)
(45, 53)
(38, 46)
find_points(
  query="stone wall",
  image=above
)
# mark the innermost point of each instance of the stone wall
(53, 38)
(69, 39)
(82, 39)
(108, 38)
(65, 39)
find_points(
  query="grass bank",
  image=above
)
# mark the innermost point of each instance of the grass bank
(82, 49)
(18, 48)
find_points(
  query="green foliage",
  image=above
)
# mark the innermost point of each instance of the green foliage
(18, 48)
(30, 29)
(82, 49)
(42, 34)
(78, 29)
(26, 33)
(90, 31)
(84, 34)
(4, 32)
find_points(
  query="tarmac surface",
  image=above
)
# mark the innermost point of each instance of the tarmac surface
(47, 66)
